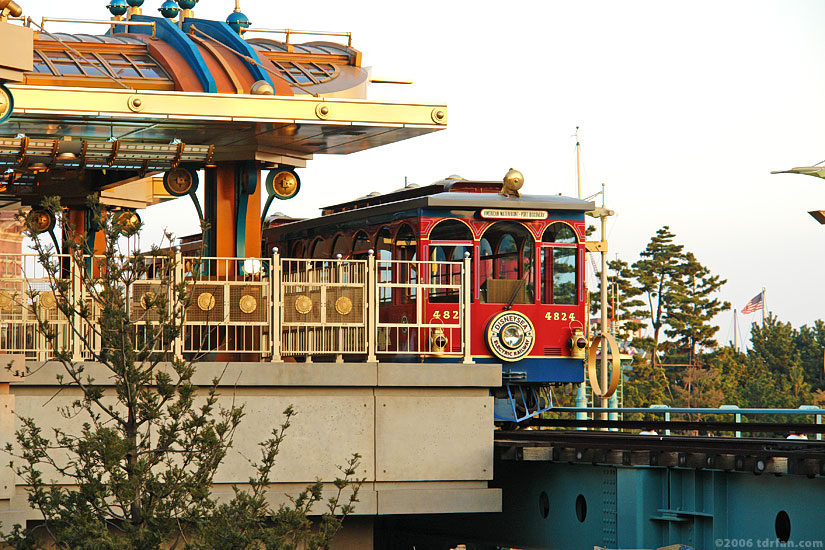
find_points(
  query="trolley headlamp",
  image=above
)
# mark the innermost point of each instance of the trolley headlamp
(512, 335)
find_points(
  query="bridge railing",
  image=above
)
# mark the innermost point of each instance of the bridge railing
(668, 424)
(254, 308)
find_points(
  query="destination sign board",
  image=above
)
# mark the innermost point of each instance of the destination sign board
(495, 214)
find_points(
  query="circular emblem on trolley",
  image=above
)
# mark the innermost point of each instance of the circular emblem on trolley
(303, 305)
(147, 299)
(248, 304)
(6, 300)
(510, 336)
(206, 301)
(343, 305)
(47, 301)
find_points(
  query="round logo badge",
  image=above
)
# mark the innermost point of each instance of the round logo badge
(510, 336)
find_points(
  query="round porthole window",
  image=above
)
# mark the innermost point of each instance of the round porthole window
(544, 505)
(783, 526)
(581, 508)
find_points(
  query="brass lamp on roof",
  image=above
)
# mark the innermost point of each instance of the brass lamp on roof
(513, 181)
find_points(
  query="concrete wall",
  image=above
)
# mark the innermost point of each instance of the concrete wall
(425, 431)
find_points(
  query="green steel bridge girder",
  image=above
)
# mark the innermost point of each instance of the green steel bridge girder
(631, 507)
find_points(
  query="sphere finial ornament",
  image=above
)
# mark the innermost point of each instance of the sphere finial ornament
(187, 4)
(169, 9)
(118, 8)
(238, 21)
(135, 3)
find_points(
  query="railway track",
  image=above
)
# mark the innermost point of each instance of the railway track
(746, 454)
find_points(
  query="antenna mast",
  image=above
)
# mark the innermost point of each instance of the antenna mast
(578, 162)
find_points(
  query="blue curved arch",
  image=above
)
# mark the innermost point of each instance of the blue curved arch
(224, 34)
(169, 32)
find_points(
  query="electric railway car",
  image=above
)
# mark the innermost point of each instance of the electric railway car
(526, 296)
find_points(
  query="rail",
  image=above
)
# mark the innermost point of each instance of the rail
(289, 32)
(111, 23)
(261, 309)
(667, 425)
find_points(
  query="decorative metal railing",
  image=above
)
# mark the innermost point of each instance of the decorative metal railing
(264, 309)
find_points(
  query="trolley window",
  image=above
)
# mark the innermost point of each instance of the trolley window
(361, 246)
(320, 249)
(559, 265)
(406, 250)
(507, 251)
(449, 241)
(341, 246)
(383, 249)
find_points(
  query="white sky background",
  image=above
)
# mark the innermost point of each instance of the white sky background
(684, 109)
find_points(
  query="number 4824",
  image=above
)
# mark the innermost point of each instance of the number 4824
(556, 316)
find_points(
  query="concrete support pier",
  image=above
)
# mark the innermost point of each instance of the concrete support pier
(425, 432)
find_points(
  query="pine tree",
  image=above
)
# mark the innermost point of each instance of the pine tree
(624, 304)
(657, 272)
(810, 341)
(691, 308)
(137, 471)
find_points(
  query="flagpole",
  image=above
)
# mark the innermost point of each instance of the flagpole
(763, 306)
(735, 347)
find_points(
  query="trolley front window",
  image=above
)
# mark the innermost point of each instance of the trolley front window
(507, 264)
(559, 265)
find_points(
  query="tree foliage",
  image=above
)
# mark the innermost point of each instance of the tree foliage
(657, 273)
(137, 471)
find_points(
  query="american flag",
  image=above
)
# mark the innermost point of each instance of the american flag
(756, 303)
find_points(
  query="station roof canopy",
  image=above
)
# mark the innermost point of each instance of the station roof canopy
(151, 93)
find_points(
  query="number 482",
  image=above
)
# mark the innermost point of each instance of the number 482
(556, 316)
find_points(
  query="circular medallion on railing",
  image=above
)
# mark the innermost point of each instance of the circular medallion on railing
(206, 302)
(248, 304)
(404, 321)
(303, 305)
(510, 336)
(343, 305)
(47, 301)
(6, 300)
(147, 299)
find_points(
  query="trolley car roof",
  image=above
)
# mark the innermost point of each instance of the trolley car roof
(439, 197)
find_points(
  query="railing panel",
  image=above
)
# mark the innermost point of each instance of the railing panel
(230, 308)
(26, 297)
(405, 291)
(323, 307)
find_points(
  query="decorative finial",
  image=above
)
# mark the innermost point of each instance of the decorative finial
(118, 8)
(169, 9)
(134, 7)
(187, 4)
(237, 20)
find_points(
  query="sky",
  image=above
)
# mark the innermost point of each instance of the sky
(684, 109)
